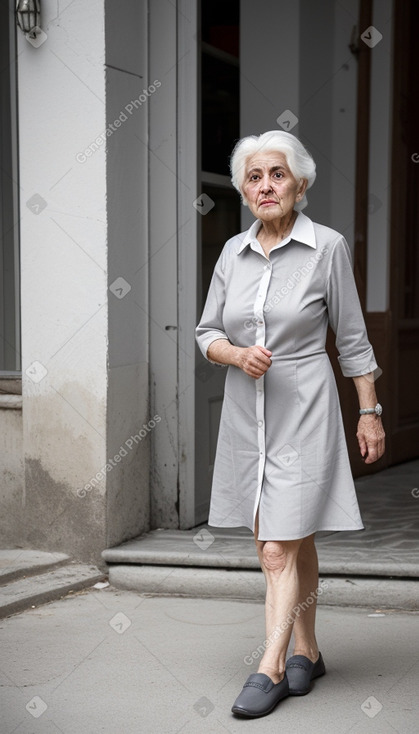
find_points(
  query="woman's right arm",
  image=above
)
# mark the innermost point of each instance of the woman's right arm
(254, 361)
(212, 338)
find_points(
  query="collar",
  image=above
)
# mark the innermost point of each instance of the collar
(302, 231)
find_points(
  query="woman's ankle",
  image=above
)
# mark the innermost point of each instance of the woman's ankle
(273, 672)
(310, 652)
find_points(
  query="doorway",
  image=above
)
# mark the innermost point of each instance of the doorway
(220, 128)
(404, 282)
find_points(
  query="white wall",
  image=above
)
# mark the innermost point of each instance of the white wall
(378, 277)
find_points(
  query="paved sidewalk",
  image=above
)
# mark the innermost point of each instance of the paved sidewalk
(115, 662)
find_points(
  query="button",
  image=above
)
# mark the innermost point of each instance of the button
(260, 423)
(261, 323)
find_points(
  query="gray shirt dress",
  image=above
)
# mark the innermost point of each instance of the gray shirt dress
(281, 443)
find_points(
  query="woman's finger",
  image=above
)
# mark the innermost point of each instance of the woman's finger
(362, 444)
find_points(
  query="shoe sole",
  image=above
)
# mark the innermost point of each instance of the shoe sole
(248, 714)
(304, 692)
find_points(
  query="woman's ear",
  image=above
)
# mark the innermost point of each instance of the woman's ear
(301, 189)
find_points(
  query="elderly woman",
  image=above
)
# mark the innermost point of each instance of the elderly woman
(282, 466)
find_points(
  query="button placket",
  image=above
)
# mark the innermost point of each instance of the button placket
(260, 392)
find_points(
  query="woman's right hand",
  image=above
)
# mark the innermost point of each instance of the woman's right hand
(254, 361)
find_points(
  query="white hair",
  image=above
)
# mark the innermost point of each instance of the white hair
(299, 160)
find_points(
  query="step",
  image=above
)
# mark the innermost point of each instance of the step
(196, 547)
(18, 562)
(25, 592)
(218, 548)
(248, 585)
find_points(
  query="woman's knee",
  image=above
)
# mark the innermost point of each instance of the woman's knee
(277, 555)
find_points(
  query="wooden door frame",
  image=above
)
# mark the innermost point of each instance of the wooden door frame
(362, 147)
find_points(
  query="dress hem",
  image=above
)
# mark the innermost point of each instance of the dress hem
(294, 537)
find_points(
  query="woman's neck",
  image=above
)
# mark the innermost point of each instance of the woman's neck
(274, 231)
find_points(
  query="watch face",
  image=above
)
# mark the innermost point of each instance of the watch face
(378, 409)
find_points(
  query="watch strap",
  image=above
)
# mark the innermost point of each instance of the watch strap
(369, 411)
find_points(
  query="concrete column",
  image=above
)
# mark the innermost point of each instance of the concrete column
(84, 333)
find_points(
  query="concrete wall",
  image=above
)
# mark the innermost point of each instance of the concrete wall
(85, 423)
(64, 279)
(11, 475)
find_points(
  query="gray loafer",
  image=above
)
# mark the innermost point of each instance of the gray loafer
(301, 671)
(260, 695)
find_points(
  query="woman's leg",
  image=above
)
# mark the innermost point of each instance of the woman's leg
(278, 560)
(305, 642)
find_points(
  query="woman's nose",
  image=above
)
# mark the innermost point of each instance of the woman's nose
(265, 184)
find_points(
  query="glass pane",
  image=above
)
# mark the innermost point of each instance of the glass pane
(220, 113)
(220, 24)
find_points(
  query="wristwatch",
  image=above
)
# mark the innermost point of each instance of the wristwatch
(377, 410)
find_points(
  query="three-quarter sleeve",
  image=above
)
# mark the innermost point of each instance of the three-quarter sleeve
(210, 326)
(356, 355)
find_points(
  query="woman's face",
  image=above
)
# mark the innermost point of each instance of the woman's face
(269, 187)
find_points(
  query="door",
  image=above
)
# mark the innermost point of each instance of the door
(404, 284)
(219, 206)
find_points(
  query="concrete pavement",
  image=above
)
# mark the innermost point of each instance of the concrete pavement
(30, 577)
(112, 661)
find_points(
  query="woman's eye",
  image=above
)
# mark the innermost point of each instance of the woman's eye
(278, 174)
(254, 177)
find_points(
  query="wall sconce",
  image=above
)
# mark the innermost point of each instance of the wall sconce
(28, 16)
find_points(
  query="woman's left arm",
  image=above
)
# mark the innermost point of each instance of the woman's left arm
(356, 355)
(370, 433)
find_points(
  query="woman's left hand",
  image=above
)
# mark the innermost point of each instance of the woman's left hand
(371, 438)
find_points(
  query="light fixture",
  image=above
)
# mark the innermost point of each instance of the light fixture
(28, 16)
